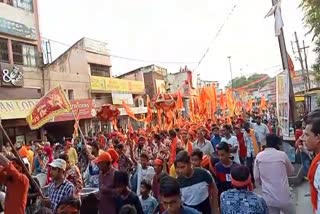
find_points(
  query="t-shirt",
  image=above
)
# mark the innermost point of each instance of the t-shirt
(186, 210)
(233, 141)
(195, 190)
(132, 200)
(149, 205)
(223, 176)
(316, 184)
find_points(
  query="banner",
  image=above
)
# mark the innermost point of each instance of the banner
(16, 109)
(106, 84)
(282, 85)
(85, 107)
(52, 104)
(118, 97)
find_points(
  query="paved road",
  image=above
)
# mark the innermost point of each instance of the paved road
(303, 205)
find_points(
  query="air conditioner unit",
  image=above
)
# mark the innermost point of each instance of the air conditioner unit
(140, 102)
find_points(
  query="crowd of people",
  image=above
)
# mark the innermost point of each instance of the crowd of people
(197, 168)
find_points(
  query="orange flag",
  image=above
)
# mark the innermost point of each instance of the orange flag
(222, 101)
(51, 105)
(179, 104)
(291, 66)
(263, 103)
(214, 99)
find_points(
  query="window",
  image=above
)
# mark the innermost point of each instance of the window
(29, 55)
(100, 70)
(17, 53)
(23, 4)
(24, 54)
(70, 94)
(4, 56)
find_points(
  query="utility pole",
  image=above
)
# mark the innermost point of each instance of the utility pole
(285, 65)
(301, 63)
(230, 67)
(306, 63)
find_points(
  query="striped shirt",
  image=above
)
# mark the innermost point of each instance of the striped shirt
(57, 193)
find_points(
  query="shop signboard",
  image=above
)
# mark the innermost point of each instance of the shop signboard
(85, 107)
(282, 81)
(117, 98)
(135, 110)
(106, 84)
(11, 75)
(16, 109)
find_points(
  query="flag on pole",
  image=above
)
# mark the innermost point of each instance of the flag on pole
(276, 11)
(51, 105)
(76, 123)
(291, 67)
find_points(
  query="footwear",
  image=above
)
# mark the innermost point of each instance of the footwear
(305, 178)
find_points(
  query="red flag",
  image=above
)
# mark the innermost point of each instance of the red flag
(291, 66)
(51, 105)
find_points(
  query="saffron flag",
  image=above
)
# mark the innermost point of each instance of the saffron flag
(291, 66)
(51, 105)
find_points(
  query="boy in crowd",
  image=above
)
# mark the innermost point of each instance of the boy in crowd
(125, 195)
(198, 188)
(223, 168)
(171, 197)
(148, 202)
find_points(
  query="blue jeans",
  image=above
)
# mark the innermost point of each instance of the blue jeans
(305, 161)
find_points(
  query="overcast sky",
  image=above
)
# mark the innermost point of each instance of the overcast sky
(177, 30)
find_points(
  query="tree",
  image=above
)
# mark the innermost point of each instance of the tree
(312, 21)
(242, 81)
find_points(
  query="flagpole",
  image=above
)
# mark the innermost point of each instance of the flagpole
(285, 65)
(26, 171)
(81, 133)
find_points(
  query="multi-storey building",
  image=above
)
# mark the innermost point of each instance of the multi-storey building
(21, 77)
(84, 73)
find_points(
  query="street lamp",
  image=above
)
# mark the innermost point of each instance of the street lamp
(229, 57)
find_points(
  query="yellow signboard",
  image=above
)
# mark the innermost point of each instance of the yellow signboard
(116, 85)
(15, 109)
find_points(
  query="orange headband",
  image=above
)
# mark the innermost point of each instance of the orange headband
(241, 184)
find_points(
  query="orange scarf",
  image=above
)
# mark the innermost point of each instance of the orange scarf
(254, 142)
(173, 150)
(311, 174)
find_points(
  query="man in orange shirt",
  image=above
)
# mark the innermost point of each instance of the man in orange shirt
(17, 185)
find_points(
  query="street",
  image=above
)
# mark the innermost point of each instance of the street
(303, 204)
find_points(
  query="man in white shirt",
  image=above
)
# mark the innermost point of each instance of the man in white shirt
(262, 130)
(232, 141)
(203, 144)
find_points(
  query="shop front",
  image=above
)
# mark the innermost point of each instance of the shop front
(13, 114)
(63, 125)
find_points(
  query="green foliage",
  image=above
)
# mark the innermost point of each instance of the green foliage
(312, 21)
(312, 16)
(242, 81)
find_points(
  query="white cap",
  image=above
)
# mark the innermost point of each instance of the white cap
(59, 163)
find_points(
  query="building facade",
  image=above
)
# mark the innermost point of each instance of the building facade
(84, 73)
(153, 76)
(21, 76)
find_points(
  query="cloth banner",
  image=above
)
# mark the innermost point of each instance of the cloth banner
(51, 105)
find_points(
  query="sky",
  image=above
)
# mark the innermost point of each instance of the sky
(164, 31)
